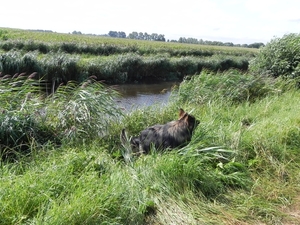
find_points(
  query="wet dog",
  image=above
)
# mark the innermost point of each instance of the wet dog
(173, 134)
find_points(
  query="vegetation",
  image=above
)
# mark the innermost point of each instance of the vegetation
(280, 57)
(73, 112)
(160, 37)
(60, 57)
(62, 161)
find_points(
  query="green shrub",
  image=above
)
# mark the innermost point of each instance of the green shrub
(15, 62)
(280, 57)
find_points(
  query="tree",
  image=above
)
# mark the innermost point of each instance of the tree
(256, 45)
(122, 34)
(113, 33)
(76, 32)
(146, 36)
(117, 34)
(133, 35)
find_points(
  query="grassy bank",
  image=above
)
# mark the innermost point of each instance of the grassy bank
(241, 167)
(64, 57)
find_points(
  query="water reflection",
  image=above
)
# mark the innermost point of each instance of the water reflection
(140, 95)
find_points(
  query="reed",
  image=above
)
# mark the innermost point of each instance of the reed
(241, 166)
(65, 57)
(61, 67)
(72, 113)
(243, 156)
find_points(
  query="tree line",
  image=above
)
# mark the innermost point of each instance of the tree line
(161, 37)
(217, 43)
(138, 36)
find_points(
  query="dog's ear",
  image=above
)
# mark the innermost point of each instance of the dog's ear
(181, 113)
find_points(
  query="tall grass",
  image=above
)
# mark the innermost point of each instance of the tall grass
(74, 113)
(241, 166)
(61, 67)
(231, 86)
(64, 57)
(87, 186)
(16, 38)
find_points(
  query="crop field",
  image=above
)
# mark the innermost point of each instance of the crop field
(62, 160)
(114, 60)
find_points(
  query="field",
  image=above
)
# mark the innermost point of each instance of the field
(63, 57)
(62, 161)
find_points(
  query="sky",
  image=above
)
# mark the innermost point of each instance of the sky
(236, 21)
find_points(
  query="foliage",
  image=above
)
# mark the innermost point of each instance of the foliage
(118, 34)
(84, 112)
(146, 36)
(3, 34)
(46, 42)
(59, 68)
(20, 131)
(71, 114)
(64, 57)
(232, 86)
(241, 166)
(280, 57)
(242, 156)
(21, 126)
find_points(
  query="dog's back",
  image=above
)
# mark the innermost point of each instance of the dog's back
(170, 135)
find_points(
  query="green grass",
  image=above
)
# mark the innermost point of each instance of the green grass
(143, 46)
(86, 185)
(64, 57)
(241, 167)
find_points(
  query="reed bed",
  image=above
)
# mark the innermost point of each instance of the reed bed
(65, 57)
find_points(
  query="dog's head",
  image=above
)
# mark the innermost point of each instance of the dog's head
(190, 120)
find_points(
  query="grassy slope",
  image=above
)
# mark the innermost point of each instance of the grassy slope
(87, 185)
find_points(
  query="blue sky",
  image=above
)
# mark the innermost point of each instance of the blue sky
(237, 21)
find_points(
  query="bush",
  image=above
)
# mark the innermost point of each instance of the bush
(280, 57)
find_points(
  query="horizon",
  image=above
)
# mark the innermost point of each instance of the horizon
(236, 21)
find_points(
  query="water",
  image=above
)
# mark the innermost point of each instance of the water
(135, 96)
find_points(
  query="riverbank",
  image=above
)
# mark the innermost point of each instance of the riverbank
(241, 166)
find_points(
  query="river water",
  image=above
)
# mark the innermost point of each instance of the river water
(133, 96)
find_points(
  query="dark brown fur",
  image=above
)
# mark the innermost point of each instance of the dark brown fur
(170, 135)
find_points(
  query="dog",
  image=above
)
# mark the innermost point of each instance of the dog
(173, 134)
